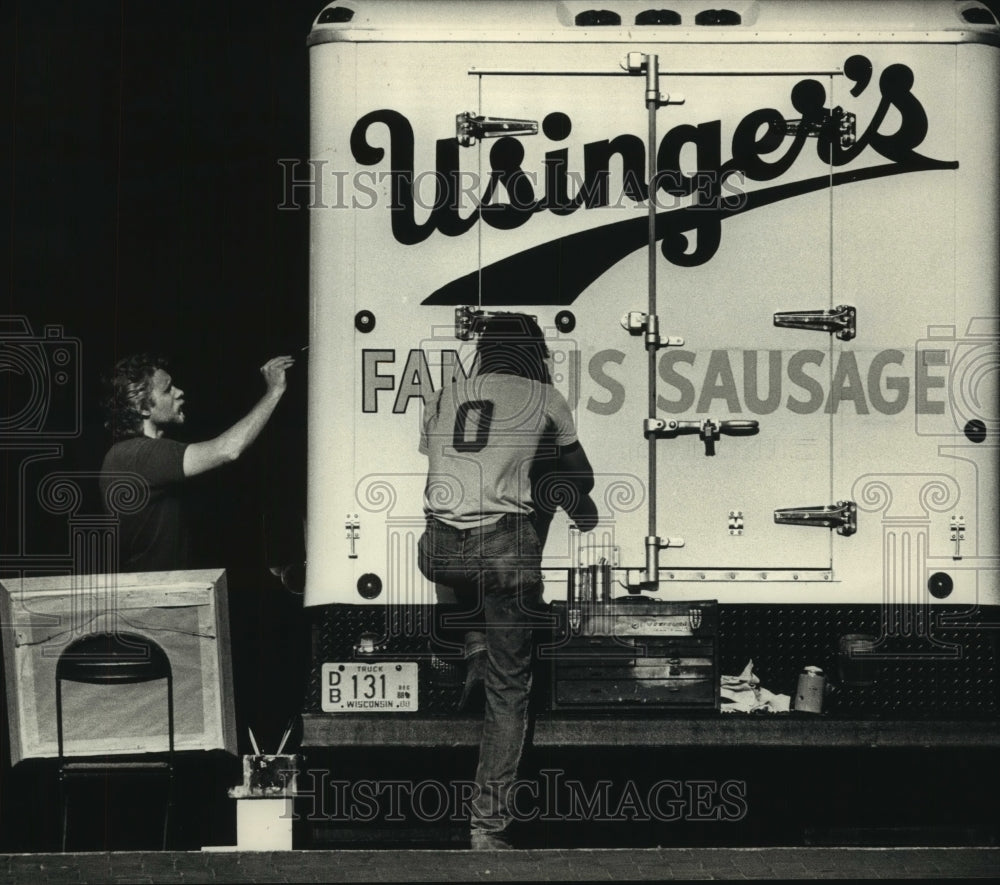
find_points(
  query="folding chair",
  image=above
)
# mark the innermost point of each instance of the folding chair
(114, 659)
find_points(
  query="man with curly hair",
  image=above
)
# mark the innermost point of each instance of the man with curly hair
(142, 404)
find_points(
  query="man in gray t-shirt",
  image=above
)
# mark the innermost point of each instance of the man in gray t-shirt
(481, 436)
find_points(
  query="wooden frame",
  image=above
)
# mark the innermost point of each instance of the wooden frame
(186, 612)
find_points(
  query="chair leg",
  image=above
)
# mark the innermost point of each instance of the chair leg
(169, 806)
(64, 807)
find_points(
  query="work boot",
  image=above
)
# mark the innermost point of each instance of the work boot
(474, 689)
(446, 672)
(483, 841)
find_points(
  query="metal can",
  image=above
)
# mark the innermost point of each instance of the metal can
(574, 601)
(809, 695)
(856, 662)
(600, 582)
(581, 587)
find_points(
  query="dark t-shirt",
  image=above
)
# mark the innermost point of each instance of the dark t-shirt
(156, 536)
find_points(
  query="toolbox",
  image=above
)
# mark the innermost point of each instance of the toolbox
(636, 653)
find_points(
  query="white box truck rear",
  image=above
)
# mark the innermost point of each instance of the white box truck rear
(762, 243)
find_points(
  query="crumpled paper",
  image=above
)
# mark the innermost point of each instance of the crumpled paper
(744, 694)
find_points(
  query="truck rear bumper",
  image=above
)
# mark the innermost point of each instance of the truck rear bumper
(701, 731)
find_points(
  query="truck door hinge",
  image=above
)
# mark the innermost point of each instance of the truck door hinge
(838, 124)
(470, 128)
(842, 516)
(469, 321)
(648, 324)
(353, 527)
(957, 535)
(842, 320)
(708, 429)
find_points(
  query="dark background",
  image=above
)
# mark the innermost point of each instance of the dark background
(140, 188)
(141, 185)
(142, 180)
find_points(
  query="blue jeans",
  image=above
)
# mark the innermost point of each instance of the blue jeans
(495, 573)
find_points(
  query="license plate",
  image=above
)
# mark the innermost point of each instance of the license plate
(378, 687)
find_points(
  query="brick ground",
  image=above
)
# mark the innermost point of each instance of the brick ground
(578, 865)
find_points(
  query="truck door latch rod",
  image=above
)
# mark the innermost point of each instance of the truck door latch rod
(709, 429)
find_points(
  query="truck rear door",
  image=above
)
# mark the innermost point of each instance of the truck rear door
(732, 247)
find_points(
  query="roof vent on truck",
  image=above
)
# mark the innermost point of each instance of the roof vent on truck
(334, 15)
(658, 17)
(596, 17)
(979, 15)
(718, 17)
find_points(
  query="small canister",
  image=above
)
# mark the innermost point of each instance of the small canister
(574, 602)
(581, 587)
(856, 661)
(809, 696)
(599, 577)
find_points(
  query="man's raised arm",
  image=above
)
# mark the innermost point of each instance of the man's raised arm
(230, 444)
